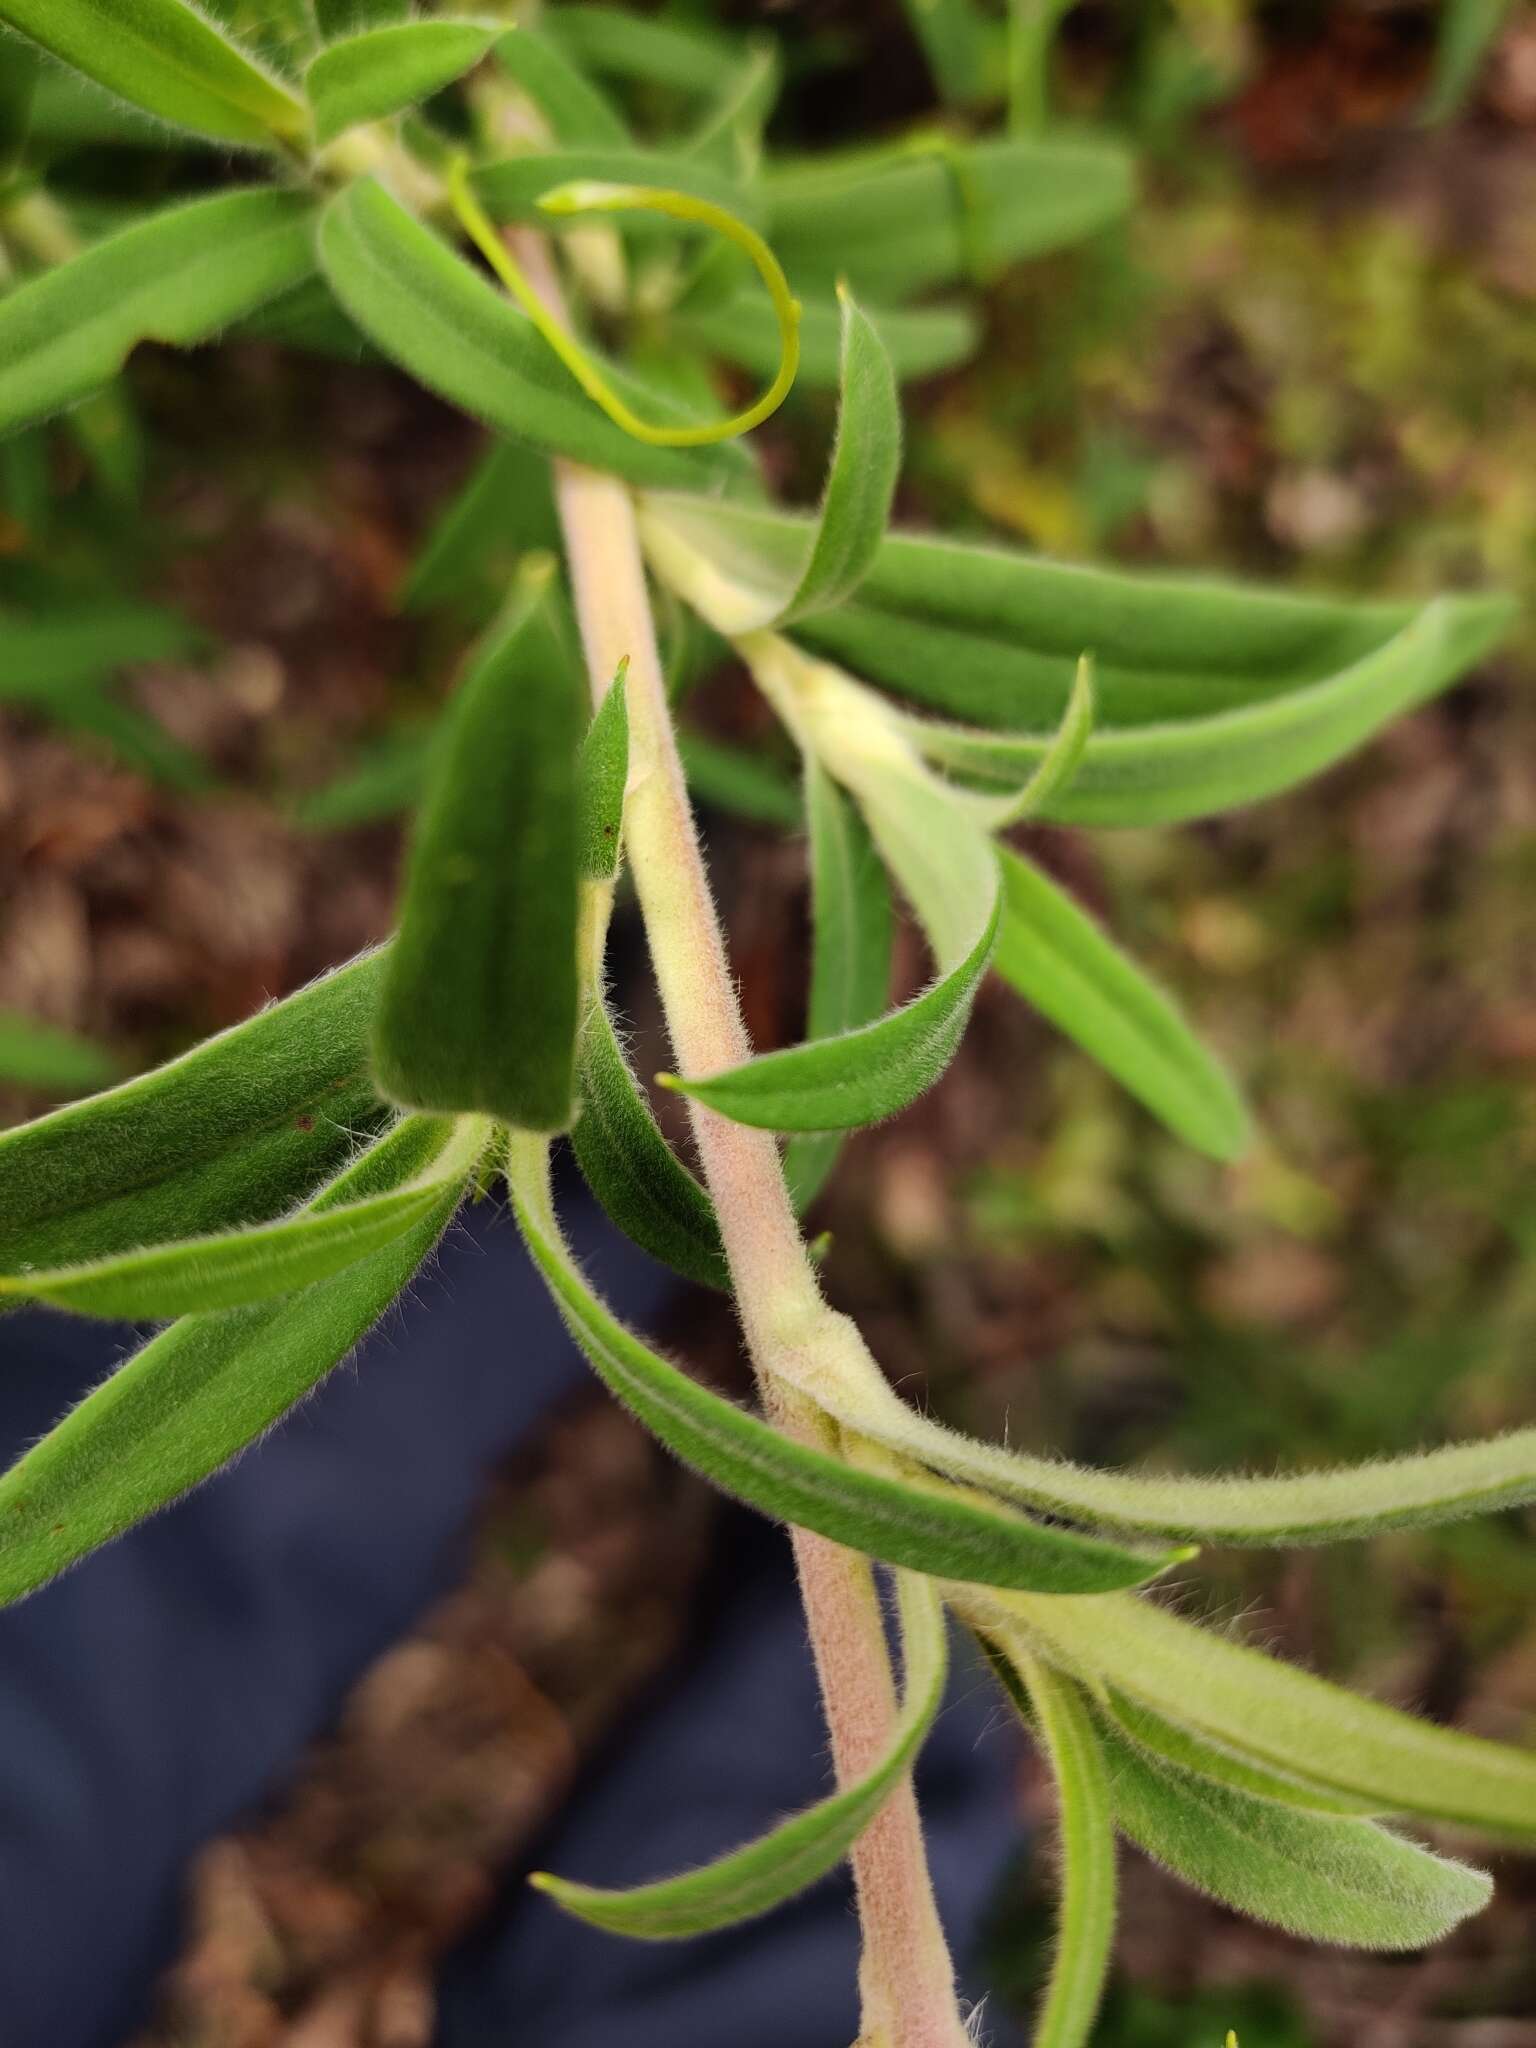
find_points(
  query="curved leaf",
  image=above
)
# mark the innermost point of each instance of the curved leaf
(841, 1084)
(929, 1531)
(1318, 1875)
(1085, 1922)
(167, 58)
(201, 1275)
(510, 190)
(1171, 1743)
(428, 310)
(766, 1873)
(370, 76)
(202, 1390)
(639, 1180)
(1063, 964)
(178, 277)
(228, 1134)
(851, 930)
(478, 1009)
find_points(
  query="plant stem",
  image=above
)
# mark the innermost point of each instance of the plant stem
(906, 1977)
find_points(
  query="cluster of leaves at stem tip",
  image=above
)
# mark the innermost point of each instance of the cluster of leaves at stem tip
(270, 1194)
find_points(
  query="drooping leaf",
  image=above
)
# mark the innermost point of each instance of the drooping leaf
(380, 72)
(993, 635)
(619, 44)
(1063, 964)
(1172, 1744)
(505, 507)
(204, 1274)
(478, 1009)
(579, 113)
(601, 773)
(203, 1389)
(178, 277)
(899, 221)
(1085, 1919)
(1286, 1718)
(167, 58)
(851, 932)
(920, 340)
(639, 1180)
(229, 1134)
(44, 1059)
(1323, 1876)
(753, 1880)
(428, 310)
(895, 1521)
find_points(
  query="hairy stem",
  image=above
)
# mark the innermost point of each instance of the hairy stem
(906, 1977)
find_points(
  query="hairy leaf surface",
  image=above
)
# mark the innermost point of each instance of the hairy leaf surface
(380, 72)
(1085, 1919)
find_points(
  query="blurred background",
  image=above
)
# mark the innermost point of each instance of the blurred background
(1307, 357)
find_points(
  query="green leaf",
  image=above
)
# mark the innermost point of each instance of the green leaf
(954, 39)
(1467, 32)
(579, 113)
(44, 1059)
(766, 1873)
(851, 931)
(1285, 1718)
(730, 136)
(1057, 766)
(381, 72)
(511, 189)
(428, 310)
(944, 1535)
(478, 1009)
(861, 483)
(920, 340)
(1318, 1875)
(200, 1275)
(899, 221)
(1170, 1743)
(1198, 767)
(231, 1133)
(602, 771)
(178, 277)
(632, 1170)
(1085, 1923)
(1063, 964)
(203, 1389)
(386, 779)
(505, 506)
(733, 780)
(862, 1077)
(19, 65)
(640, 48)
(165, 57)
(994, 635)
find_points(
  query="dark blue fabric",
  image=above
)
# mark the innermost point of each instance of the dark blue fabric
(155, 1694)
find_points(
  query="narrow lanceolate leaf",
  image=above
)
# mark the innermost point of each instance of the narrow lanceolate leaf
(920, 340)
(1170, 1743)
(1085, 1920)
(426, 308)
(619, 44)
(929, 1531)
(731, 779)
(370, 76)
(202, 1390)
(851, 929)
(1063, 964)
(842, 1084)
(579, 113)
(167, 58)
(231, 1133)
(861, 483)
(506, 505)
(601, 773)
(1319, 1875)
(1287, 1719)
(898, 221)
(478, 1009)
(178, 277)
(1057, 766)
(632, 1170)
(755, 1879)
(993, 635)
(201, 1275)
(1198, 767)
